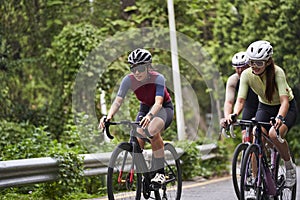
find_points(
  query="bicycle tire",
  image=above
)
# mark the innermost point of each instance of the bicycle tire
(173, 185)
(125, 189)
(285, 193)
(249, 178)
(237, 158)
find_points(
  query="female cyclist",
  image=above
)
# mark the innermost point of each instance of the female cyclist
(156, 109)
(276, 98)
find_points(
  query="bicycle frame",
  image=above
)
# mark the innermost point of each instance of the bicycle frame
(262, 163)
(137, 157)
(138, 165)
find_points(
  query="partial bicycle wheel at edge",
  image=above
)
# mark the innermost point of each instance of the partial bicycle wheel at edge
(173, 185)
(236, 166)
(119, 184)
(249, 175)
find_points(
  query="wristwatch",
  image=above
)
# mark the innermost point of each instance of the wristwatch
(151, 115)
(280, 117)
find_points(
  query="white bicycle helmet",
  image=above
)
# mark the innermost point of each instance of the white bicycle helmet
(239, 59)
(260, 50)
(139, 56)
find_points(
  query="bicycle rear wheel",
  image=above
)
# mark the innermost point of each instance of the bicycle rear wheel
(285, 193)
(238, 155)
(122, 183)
(172, 189)
(251, 186)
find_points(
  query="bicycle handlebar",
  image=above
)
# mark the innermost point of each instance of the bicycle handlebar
(248, 123)
(230, 128)
(108, 124)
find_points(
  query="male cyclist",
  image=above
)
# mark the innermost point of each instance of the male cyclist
(239, 62)
(156, 109)
(276, 98)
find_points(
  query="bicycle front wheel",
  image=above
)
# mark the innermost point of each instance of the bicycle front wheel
(122, 181)
(236, 166)
(173, 187)
(251, 186)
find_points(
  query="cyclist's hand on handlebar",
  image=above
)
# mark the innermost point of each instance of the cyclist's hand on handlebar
(145, 121)
(276, 123)
(223, 123)
(231, 118)
(102, 122)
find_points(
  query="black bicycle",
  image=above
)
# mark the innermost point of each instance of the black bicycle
(263, 171)
(129, 171)
(238, 153)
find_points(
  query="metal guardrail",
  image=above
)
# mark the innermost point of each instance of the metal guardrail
(40, 170)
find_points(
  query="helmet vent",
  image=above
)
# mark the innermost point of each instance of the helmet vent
(259, 50)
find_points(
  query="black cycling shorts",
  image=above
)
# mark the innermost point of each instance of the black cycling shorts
(248, 114)
(166, 113)
(265, 112)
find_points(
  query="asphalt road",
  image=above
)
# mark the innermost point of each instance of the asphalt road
(216, 189)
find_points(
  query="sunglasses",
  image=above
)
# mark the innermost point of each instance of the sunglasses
(139, 68)
(257, 63)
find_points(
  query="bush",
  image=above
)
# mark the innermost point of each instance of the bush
(294, 143)
(193, 165)
(21, 141)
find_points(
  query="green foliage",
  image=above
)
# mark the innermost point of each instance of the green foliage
(68, 53)
(294, 143)
(193, 166)
(218, 166)
(20, 141)
(70, 176)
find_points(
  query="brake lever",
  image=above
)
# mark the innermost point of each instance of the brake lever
(224, 132)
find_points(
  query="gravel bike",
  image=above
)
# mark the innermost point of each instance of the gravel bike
(263, 170)
(129, 171)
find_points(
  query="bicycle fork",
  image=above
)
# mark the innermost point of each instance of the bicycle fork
(129, 176)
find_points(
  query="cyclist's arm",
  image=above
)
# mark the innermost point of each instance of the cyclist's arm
(157, 105)
(159, 99)
(114, 107)
(159, 95)
(285, 95)
(242, 94)
(230, 94)
(284, 107)
(124, 87)
(239, 105)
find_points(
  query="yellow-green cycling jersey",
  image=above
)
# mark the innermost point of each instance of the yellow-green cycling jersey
(258, 85)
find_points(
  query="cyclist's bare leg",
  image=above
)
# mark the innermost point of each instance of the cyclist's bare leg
(141, 143)
(155, 129)
(281, 147)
